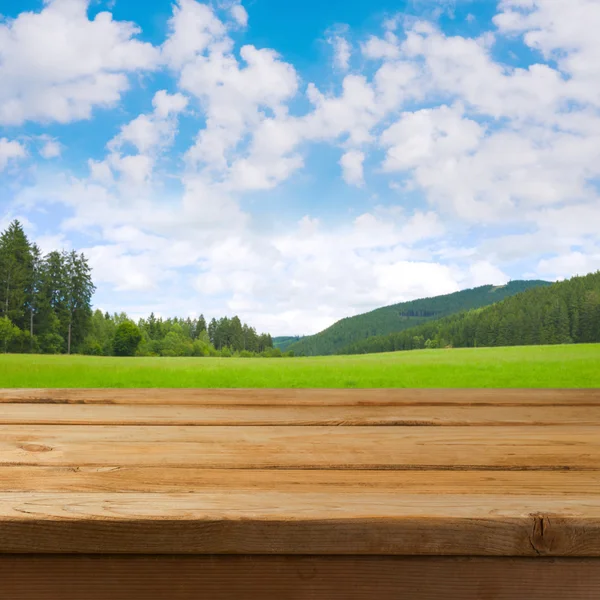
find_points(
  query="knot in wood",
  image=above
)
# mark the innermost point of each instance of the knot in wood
(35, 448)
(542, 535)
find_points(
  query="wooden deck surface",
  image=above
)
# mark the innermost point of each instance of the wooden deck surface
(502, 473)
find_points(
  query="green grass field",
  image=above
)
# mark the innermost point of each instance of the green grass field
(534, 366)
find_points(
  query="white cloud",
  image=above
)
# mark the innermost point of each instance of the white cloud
(9, 150)
(166, 105)
(57, 64)
(234, 97)
(482, 272)
(135, 150)
(238, 12)
(342, 51)
(566, 32)
(50, 149)
(352, 167)
(193, 27)
(100, 172)
(376, 48)
(257, 174)
(429, 135)
(569, 264)
(353, 113)
(156, 130)
(51, 242)
(126, 272)
(479, 145)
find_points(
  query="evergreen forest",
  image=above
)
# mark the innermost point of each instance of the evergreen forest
(566, 312)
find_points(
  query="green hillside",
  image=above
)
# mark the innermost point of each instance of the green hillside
(398, 317)
(284, 341)
(562, 313)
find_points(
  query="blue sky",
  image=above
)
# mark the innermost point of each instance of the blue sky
(298, 162)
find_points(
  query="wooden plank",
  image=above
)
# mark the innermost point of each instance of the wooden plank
(460, 448)
(242, 522)
(178, 415)
(296, 578)
(307, 397)
(190, 479)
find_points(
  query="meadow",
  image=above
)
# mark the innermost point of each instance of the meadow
(572, 366)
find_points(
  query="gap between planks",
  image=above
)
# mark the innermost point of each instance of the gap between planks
(306, 397)
(405, 416)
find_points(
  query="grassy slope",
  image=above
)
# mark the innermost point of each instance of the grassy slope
(533, 366)
(391, 319)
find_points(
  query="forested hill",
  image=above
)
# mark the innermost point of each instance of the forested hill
(285, 341)
(405, 315)
(562, 313)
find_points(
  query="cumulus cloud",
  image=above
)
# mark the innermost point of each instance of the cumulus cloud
(192, 28)
(10, 149)
(57, 64)
(352, 167)
(376, 47)
(238, 12)
(499, 165)
(134, 150)
(50, 149)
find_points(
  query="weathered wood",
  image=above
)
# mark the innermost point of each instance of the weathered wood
(550, 447)
(296, 481)
(296, 578)
(307, 397)
(366, 523)
(232, 415)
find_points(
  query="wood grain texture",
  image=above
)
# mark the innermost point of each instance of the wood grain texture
(192, 479)
(327, 472)
(306, 397)
(296, 578)
(365, 523)
(322, 447)
(232, 415)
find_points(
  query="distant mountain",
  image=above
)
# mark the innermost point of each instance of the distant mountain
(562, 313)
(398, 317)
(283, 342)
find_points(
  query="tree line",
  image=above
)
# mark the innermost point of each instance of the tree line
(118, 335)
(45, 307)
(563, 313)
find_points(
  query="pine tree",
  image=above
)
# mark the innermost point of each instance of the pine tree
(15, 273)
(212, 332)
(200, 325)
(79, 290)
(33, 299)
(236, 334)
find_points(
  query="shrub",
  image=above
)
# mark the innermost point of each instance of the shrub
(8, 332)
(127, 339)
(23, 343)
(51, 343)
(92, 347)
(201, 348)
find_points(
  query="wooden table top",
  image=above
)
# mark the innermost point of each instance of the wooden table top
(320, 472)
